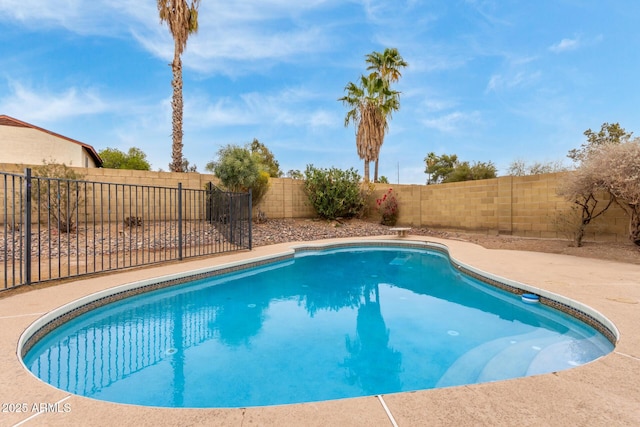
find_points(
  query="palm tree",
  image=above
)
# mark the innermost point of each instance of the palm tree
(370, 104)
(387, 64)
(182, 19)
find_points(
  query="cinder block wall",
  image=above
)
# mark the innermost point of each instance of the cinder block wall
(123, 176)
(523, 206)
(120, 199)
(286, 199)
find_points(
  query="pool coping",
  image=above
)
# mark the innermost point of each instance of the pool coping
(406, 408)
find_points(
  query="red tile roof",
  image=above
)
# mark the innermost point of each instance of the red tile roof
(10, 121)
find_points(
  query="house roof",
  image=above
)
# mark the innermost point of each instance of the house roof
(10, 121)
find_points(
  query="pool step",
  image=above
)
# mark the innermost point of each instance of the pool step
(468, 367)
(515, 360)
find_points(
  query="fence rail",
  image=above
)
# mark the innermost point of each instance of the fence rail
(58, 228)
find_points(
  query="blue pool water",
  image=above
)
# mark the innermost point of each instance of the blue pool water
(324, 325)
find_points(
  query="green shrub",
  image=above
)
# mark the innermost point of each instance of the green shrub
(236, 168)
(239, 171)
(334, 193)
(259, 188)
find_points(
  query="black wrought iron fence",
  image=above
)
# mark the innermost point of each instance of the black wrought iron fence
(58, 228)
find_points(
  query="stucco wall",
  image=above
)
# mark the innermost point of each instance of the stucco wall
(30, 146)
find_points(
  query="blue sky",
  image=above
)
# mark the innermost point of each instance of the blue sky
(488, 80)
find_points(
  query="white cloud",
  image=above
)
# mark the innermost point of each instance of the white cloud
(288, 108)
(433, 105)
(249, 30)
(512, 80)
(565, 45)
(99, 17)
(45, 106)
(454, 122)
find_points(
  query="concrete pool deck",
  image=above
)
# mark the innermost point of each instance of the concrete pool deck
(604, 392)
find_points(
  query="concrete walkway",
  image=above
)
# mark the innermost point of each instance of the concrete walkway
(603, 393)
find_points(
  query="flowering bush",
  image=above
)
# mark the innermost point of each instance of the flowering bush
(388, 208)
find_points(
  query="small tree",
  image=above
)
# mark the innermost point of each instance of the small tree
(608, 134)
(581, 188)
(521, 168)
(464, 171)
(447, 168)
(240, 171)
(616, 170)
(59, 191)
(295, 174)
(594, 175)
(439, 167)
(135, 159)
(268, 160)
(334, 193)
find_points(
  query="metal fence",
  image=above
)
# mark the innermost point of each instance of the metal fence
(56, 228)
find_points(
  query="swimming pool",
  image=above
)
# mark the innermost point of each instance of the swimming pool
(322, 325)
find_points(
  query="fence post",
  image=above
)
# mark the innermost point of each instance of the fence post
(27, 226)
(209, 202)
(180, 221)
(250, 220)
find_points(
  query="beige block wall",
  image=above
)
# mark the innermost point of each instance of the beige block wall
(286, 199)
(124, 201)
(523, 206)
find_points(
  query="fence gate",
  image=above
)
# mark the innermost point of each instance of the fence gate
(230, 214)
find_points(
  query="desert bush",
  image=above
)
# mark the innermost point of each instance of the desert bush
(334, 193)
(58, 190)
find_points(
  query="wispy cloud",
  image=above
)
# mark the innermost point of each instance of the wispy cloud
(499, 82)
(487, 10)
(46, 106)
(565, 45)
(99, 17)
(578, 42)
(290, 108)
(249, 31)
(455, 122)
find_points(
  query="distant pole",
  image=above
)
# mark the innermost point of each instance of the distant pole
(398, 173)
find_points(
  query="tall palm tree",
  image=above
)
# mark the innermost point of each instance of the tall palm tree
(370, 103)
(182, 19)
(387, 64)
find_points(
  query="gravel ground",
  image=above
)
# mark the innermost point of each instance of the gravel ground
(160, 237)
(286, 230)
